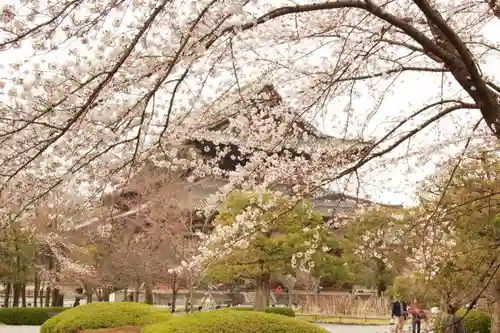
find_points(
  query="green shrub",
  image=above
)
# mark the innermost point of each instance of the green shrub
(475, 321)
(27, 316)
(104, 315)
(230, 321)
(289, 312)
(284, 311)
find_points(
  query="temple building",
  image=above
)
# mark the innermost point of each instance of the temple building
(129, 209)
(218, 136)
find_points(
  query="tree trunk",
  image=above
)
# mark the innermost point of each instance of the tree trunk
(125, 291)
(102, 294)
(495, 316)
(47, 297)
(16, 294)
(42, 288)
(495, 307)
(6, 296)
(231, 294)
(89, 292)
(262, 292)
(174, 292)
(136, 294)
(381, 272)
(105, 295)
(35, 291)
(23, 295)
(17, 284)
(237, 294)
(55, 297)
(290, 298)
(189, 299)
(148, 297)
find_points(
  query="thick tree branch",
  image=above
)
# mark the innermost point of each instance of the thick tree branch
(472, 82)
(490, 108)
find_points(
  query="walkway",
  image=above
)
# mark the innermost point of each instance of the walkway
(331, 328)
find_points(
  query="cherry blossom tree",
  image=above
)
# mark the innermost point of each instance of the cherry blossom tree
(465, 225)
(109, 85)
(378, 243)
(151, 70)
(287, 238)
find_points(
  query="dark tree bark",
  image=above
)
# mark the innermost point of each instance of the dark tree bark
(23, 295)
(175, 289)
(262, 292)
(105, 295)
(136, 295)
(16, 294)
(6, 297)
(148, 299)
(89, 292)
(47, 296)
(381, 275)
(41, 293)
(35, 291)
(55, 297)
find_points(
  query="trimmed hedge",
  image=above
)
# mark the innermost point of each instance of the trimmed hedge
(230, 321)
(284, 311)
(104, 315)
(27, 316)
(476, 321)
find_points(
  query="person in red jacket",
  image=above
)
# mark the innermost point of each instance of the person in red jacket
(417, 315)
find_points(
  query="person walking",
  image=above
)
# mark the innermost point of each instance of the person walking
(399, 313)
(78, 296)
(417, 315)
(451, 323)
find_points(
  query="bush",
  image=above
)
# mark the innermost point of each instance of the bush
(104, 315)
(27, 316)
(476, 321)
(289, 312)
(284, 311)
(230, 321)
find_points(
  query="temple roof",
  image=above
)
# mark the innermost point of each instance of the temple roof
(302, 134)
(217, 130)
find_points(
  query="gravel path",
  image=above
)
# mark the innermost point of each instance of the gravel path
(19, 329)
(358, 328)
(331, 328)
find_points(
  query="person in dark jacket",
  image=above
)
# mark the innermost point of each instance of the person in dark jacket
(78, 296)
(399, 313)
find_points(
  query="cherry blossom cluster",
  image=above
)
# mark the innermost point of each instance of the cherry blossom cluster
(68, 266)
(303, 261)
(431, 240)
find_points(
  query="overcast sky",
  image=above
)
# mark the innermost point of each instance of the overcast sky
(397, 184)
